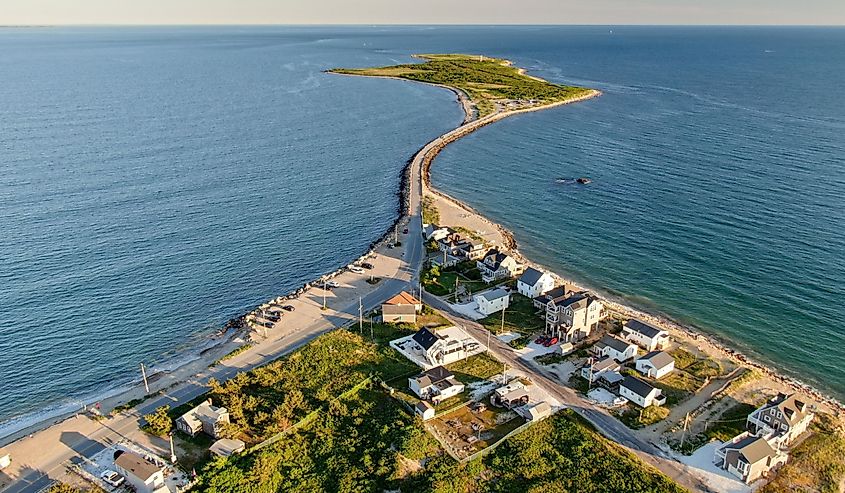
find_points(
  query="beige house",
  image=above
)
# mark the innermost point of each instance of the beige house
(781, 420)
(574, 317)
(204, 418)
(748, 457)
(497, 265)
(402, 308)
(144, 475)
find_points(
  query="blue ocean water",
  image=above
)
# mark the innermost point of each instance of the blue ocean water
(155, 182)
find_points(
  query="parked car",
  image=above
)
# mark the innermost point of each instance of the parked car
(269, 325)
(112, 478)
(550, 342)
(332, 285)
(356, 269)
(405, 231)
(289, 308)
(273, 318)
(367, 265)
(541, 340)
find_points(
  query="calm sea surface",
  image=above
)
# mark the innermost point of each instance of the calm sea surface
(155, 182)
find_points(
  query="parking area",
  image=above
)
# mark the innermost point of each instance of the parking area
(93, 469)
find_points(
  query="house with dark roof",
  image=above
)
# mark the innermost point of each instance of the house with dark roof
(497, 265)
(615, 348)
(442, 350)
(781, 420)
(748, 457)
(645, 335)
(205, 418)
(573, 317)
(597, 366)
(435, 384)
(558, 293)
(640, 392)
(532, 283)
(141, 473)
(655, 364)
(424, 410)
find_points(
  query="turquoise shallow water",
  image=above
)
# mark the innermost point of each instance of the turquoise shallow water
(155, 182)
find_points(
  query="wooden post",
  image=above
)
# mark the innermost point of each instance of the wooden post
(144, 375)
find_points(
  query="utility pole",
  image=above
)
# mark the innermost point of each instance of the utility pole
(372, 338)
(684, 434)
(172, 450)
(502, 330)
(488, 341)
(324, 294)
(144, 375)
(590, 380)
(395, 233)
(360, 316)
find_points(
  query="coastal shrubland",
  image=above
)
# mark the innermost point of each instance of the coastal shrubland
(430, 214)
(485, 81)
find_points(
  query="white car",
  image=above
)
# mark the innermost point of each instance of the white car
(332, 284)
(356, 269)
(112, 478)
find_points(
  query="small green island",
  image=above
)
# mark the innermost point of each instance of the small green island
(487, 85)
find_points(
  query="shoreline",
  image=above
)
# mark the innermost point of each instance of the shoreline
(614, 303)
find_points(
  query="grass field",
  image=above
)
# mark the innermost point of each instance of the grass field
(484, 80)
(520, 317)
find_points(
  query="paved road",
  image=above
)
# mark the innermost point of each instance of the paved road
(606, 424)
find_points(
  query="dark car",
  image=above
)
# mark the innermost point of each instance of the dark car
(405, 230)
(267, 324)
(289, 308)
(367, 265)
(273, 318)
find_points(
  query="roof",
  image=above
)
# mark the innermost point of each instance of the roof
(423, 406)
(612, 377)
(131, 462)
(226, 447)
(432, 376)
(553, 294)
(494, 294)
(659, 359)
(617, 344)
(573, 300)
(531, 276)
(541, 408)
(514, 394)
(398, 310)
(643, 328)
(402, 298)
(793, 409)
(498, 258)
(637, 386)
(604, 364)
(425, 338)
(203, 412)
(753, 448)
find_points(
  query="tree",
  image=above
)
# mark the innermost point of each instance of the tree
(159, 422)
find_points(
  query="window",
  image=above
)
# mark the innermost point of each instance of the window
(766, 419)
(783, 427)
(780, 415)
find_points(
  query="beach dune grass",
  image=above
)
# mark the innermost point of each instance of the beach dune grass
(484, 80)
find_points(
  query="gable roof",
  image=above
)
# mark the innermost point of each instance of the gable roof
(605, 363)
(637, 386)
(659, 359)
(425, 338)
(433, 376)
(403, 298)
(793, 409)
(135, 464)
(495, 258)
(553, 294)
(531, 276)
(752, 448)
(643, 328)
(494, 294)
(423, 406)
(398, 310)
(617, 344)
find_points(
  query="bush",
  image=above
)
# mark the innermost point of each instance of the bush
(159, 422)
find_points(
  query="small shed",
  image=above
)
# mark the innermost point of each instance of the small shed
(226, 447)
(424, 410)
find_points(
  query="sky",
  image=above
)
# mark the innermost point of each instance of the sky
(605, 12)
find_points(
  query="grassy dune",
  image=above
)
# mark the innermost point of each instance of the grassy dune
(486, 81)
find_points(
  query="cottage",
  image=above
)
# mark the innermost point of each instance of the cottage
(226, 447)
(748, 457)
(645, 335)
(511, 395)
(442, 350)
(615, 348)
(532, 283)
(402, 308)
(203, 418)
(424, 410)
(656, 364)
(781, 420)
(497, 265)
(536, 411)
(640, 392)
(436, 384)
(141, 473)
(596, 367)
(492, 301)
(574, 317)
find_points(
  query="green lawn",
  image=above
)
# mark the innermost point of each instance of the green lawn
(485, 81)
(520, 317)
(430, 214)
(636, 417)
(479, 367)
(441, 282)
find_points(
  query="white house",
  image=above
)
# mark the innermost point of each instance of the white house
(594, 368)
(436, 234)
(511, 395)
(492, 301)
(656, 364)
(536, 411)
(645, 335)
(532, 283)
(203, 418)
(781, 420)
(145, 476)
(440, 349)
(614, 347)
(424, 410)
(640, 392)
(436, 384)
(748, 457)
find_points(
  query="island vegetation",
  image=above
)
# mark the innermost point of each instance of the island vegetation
(489, 84)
